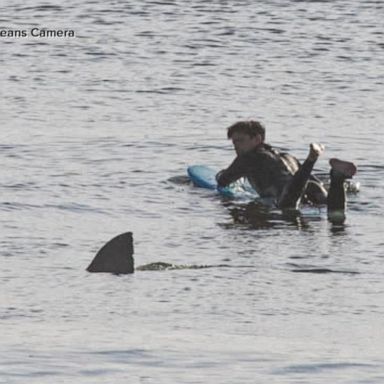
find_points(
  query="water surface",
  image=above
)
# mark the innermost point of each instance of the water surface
(94, 128)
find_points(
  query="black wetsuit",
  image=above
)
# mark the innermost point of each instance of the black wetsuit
(265, 169)
(276, 175)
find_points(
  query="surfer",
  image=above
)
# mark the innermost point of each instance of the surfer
(279, 177)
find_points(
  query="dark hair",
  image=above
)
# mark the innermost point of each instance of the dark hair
(250, 127)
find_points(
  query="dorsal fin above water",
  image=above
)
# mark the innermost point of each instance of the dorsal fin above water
(116, 256)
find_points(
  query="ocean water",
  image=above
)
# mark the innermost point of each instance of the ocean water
(96, 133)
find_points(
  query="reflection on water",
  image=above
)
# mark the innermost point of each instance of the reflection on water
(337, 222)
(256, 215)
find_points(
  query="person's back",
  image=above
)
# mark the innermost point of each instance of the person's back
(266, 169)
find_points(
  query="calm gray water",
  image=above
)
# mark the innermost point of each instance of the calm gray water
(94, 131)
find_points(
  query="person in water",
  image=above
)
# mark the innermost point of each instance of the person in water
(279, 176)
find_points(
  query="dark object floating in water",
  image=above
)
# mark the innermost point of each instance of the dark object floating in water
(115, 256)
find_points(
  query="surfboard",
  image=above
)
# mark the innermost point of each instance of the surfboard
(205, 177)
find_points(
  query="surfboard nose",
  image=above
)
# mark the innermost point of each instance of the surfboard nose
(116, 256)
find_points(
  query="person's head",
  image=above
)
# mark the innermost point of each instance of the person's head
(246, 135)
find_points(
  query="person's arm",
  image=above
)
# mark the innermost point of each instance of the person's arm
(234, 172)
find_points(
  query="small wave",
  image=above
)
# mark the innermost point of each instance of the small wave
(161, 91)
(179, 180)
(40, 8)
(323, 271)
(307, 368)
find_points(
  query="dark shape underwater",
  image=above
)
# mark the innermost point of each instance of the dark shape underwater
(116, 256)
